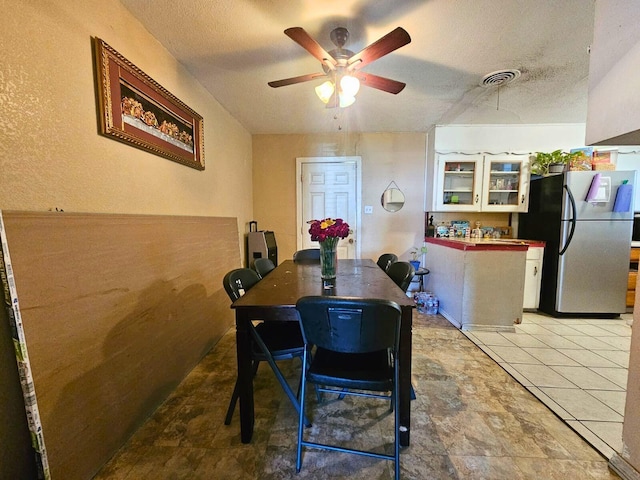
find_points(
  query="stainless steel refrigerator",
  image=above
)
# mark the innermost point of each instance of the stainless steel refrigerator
(586, 260)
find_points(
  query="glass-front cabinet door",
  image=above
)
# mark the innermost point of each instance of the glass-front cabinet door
(505, 184)
(459, 183)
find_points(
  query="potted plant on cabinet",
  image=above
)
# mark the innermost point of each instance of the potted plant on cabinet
(416, 253)
(553, 162)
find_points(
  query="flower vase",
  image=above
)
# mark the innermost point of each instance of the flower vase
(329, 258)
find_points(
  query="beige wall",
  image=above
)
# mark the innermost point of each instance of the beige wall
(52, 156)
(385, 157)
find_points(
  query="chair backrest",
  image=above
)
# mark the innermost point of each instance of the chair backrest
(401, 273)
(386, 259)
(238, 281)
(348, 324)
(307, 255)
(263, 266)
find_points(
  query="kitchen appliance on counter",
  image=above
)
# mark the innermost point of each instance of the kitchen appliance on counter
(586, 220)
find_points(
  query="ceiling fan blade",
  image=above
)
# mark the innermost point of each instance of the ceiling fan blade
(387, 44)
(302, 38)
(381, 83)
(293, 80)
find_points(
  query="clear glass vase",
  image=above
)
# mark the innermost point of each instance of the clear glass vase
(329, 258)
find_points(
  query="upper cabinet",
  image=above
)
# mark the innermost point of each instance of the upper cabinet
(482, 183)
(506, 184)
(472, 168)
(613, 113)
(459, 183)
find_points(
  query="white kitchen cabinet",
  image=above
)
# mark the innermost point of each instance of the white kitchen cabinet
(459, 183)
(532, 278)
(505, 187)
(475, 183)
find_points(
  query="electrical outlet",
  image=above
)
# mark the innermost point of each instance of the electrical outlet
(368, 209)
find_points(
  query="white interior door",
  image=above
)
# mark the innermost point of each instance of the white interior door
(329, 188)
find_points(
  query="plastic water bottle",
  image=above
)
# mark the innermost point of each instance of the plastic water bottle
(432, 305)
(419, 298)
(420, 304)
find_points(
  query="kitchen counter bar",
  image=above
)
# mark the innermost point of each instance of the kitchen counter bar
(485, 243)
(479, 282)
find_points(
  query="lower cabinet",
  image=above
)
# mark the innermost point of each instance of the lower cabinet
(533, 277)
(633, 275)
(479, 285)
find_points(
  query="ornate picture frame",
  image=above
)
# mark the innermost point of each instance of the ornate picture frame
(137, 110)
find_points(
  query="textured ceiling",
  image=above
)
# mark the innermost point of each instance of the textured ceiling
(234, 47)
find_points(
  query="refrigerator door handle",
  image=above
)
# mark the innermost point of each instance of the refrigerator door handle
(574, 214)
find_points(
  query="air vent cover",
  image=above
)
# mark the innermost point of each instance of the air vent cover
(499, 78)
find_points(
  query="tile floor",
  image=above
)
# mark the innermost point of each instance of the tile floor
(577, 367)
(470, 420)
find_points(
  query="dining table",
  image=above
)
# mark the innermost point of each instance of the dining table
(274, 299)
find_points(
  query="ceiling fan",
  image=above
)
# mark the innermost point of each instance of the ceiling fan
(342, 66)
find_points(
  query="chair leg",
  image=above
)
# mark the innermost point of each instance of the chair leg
(301, 417)
(299, 396)
(236, 394)
(232, 404)
(318, 398)
(299, 384)
(342, 395)
(277, 372)
(287, 388)
(392, 406)
(396, 396)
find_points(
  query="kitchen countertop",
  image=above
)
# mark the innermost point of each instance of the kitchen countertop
(487, 244)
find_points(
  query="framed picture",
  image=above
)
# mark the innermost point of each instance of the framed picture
(137, 110)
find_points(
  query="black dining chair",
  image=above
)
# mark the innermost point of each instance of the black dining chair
(401, 273)
(309, 255)
(263, 266)
(270, 341)
(356, 353)
(386, 259)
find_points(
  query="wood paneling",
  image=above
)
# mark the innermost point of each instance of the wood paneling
(633, 275)
(117, 309)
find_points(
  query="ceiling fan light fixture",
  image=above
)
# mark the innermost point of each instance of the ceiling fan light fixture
(346, 100)
(349, 85)
(325, 91)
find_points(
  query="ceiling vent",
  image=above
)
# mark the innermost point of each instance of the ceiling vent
(499, 78)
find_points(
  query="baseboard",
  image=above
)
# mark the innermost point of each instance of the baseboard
(478, 327)
(623, 468)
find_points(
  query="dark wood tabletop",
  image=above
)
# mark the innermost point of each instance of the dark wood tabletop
(282, 287)
(275, 297)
